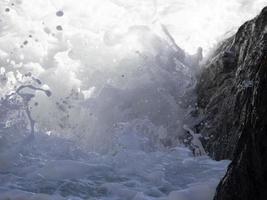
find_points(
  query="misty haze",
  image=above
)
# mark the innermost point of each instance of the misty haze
(133, 100)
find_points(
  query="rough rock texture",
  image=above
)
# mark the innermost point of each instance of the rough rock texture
(233, 96)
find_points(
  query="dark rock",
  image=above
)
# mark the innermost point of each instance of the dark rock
(233, 98)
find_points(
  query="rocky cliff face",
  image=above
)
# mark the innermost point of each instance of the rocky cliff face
(233, 98)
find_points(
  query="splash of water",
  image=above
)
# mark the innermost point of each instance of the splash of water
(122, 92)
(83, 50)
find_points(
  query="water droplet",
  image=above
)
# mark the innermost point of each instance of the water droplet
(59, 28)
(60, 13)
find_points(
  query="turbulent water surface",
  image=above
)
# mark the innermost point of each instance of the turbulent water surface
(42, 171)
(96, 97)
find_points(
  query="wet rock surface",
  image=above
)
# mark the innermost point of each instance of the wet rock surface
(232, 95)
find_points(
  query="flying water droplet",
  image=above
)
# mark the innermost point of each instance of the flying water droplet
(60, 13)
(59, 28)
